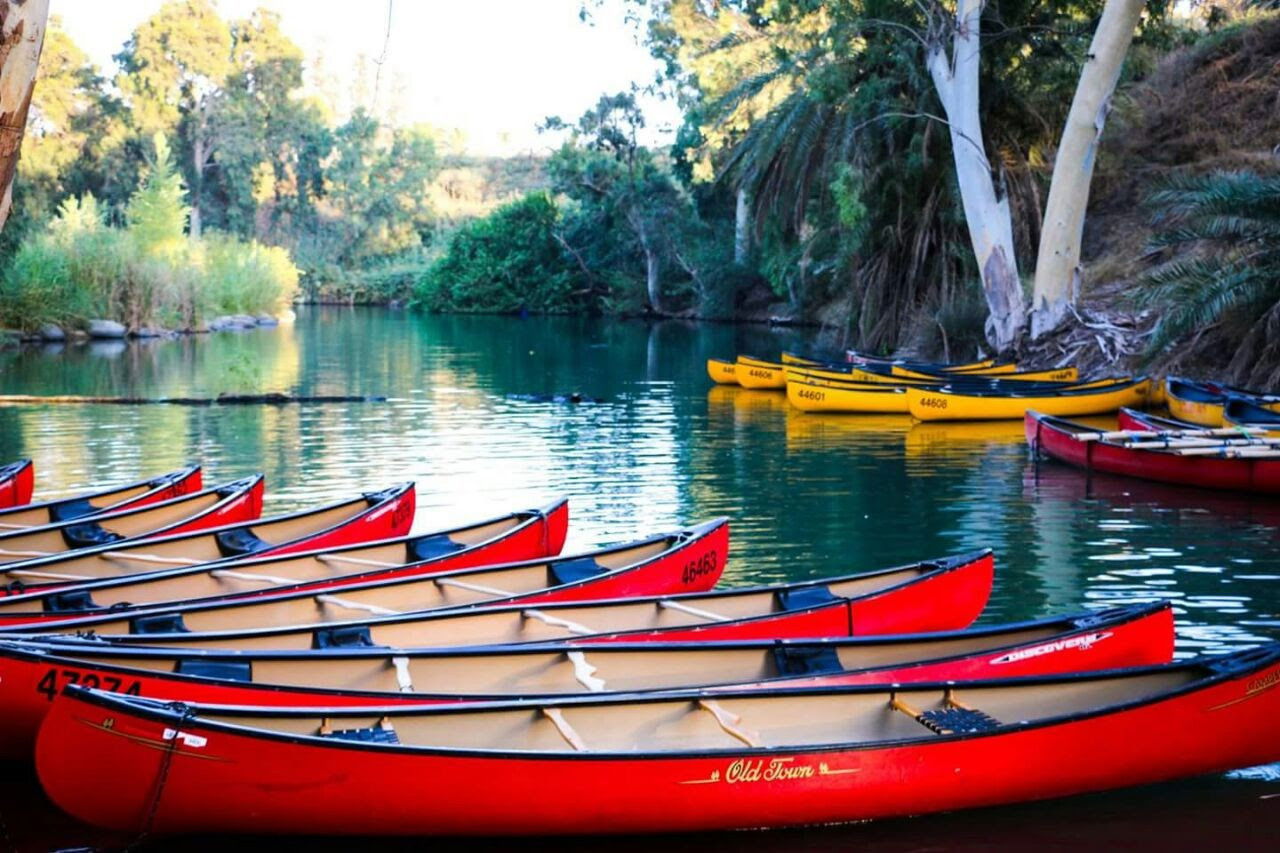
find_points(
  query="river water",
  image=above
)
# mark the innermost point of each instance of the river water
(655, 446)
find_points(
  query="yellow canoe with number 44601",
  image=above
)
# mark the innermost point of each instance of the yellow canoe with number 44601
(822, 396)
(947, 404)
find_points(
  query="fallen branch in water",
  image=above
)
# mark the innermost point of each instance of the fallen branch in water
(272, 399)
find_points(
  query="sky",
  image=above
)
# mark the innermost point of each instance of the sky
(491, 68)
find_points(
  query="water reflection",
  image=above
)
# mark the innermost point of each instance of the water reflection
(809, 494)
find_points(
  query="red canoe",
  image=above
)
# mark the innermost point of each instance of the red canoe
(239, 500)
(17, 482)
(685, 561)
(1086, 447)
(184, 481)
(32, 673)
(644, 763)
(936, 595)
(372, 516)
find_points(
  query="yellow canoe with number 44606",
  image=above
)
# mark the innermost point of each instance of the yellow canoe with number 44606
(757, 373)
(944, 404)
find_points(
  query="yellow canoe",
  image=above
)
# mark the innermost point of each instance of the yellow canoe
(1057, 374)
(721, 371)
(948, 368)
(757, 373)
(939, 404)
(852, 397)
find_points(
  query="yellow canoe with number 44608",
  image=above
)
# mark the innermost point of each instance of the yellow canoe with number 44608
(757, 373)
(944, 404)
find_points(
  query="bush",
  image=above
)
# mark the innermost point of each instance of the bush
(507, 262)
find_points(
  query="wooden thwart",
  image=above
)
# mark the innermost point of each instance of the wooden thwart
(53, 576)
(473, 587)
(336, 601)
(730, 722)
(1112, 435)
(250, 576)
(555, 621)
(567, 731)
(151, 558)
(356, 561)
(692, 611)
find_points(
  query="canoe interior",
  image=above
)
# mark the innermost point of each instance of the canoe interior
(75, 506)
(535, 671)
(684, 725)
(299, 617)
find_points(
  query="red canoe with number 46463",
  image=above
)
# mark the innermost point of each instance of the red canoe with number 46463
(653, 762)
(32, 672)
(683, 561)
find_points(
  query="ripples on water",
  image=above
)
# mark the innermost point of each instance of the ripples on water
(808, 495)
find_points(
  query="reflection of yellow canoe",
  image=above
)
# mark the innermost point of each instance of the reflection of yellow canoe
(817, 429)
(939, 404)
(848, 397)
(757, 373)
(743, 404)
(940, 435)
(721, 371)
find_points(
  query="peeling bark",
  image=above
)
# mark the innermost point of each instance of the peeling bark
(741, 229)
(986, 207)
(1057, 282)
(22, 26)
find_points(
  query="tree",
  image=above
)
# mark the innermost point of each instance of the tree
(157, 210)
(171, 71)
(1057, 282)
(1234, 219)
(22, 29)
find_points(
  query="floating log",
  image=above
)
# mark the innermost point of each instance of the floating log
(271, 399)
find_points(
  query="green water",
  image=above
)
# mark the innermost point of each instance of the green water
(808, 495)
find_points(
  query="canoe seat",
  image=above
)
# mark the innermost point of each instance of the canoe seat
(804, 597)
(87, 534)
(71, 601)
(158, 623)
(572, 571)
(347, 636)
(946, 721)
(431, 547)
(239, 541)
(796, 659)
(382, 733)
(69, 509)
(227, 670)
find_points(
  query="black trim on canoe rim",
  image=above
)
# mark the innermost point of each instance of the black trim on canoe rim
(1213, 393)
(59, 506)
(371, 499)
(524, 517)
(1158, 423)
(927, 568)
(1216, 669)
(674, 539)
(727, 361)
(1073, 389)
(13, 469)
(72, 653)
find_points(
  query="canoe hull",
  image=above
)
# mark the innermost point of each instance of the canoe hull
(753, 373)
(722, 372)
(1240, 474)
(101, 761)
(17, 483)
(935, 405)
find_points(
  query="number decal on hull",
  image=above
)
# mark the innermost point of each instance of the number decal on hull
(49, 687)
(694, 569)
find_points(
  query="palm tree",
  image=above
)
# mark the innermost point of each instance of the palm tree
(1225, 230)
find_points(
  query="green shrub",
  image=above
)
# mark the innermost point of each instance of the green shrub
(507, 262)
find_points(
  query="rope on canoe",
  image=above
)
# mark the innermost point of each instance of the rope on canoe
(272, 399)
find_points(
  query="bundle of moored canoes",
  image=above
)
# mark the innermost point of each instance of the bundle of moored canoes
(982, 390)
(1220, 438)
(174, 663)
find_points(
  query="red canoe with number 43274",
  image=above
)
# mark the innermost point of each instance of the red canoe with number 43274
(700, 760)
(17, 482)
(32, 672)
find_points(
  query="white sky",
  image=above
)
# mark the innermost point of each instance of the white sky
(492, 68)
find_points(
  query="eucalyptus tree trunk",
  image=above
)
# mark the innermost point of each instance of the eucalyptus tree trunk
(986, 208)
(741, 229)
(22, 26)
(652, 265)
(1057, 281)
